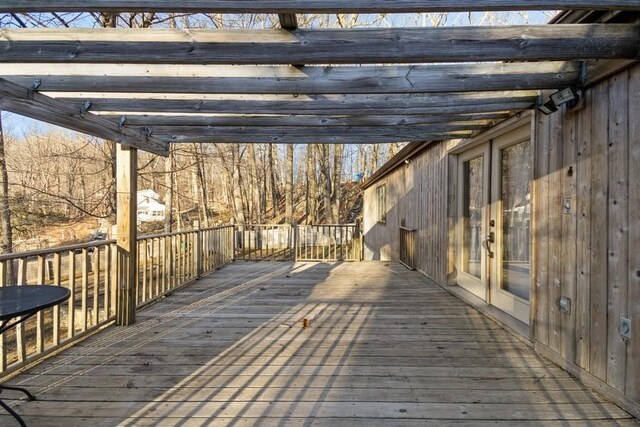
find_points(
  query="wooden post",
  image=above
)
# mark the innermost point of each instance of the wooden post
(126, 181)
(294, 231)
(199, 251)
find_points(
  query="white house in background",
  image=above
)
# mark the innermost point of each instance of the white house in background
(149, 206)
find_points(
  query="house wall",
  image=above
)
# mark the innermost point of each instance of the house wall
(588, 158)
(410, 198)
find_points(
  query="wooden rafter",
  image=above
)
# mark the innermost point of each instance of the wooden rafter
(443, 107)
(335, 138)
(311, 121)
(20, 100)
(288, 21)
(312, 46)
(330, 80)
(309, 6)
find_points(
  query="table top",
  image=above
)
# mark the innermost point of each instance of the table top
(21, 300)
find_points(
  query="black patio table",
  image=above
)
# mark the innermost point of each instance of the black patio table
(20, 303)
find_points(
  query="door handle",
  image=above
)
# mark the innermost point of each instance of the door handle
(491, 238)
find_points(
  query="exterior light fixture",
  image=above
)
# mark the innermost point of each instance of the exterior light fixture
(569, 97)
(548, 107)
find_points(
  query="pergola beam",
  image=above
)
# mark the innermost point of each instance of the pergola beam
(371, 138)
(333, 122)
(124, 106)
(309, 6)
(20, 100)
(328, 80)
(564, 42)
(229, 132)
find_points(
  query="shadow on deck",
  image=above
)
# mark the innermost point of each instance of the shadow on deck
(384, 346)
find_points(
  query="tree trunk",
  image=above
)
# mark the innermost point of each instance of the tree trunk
(272, 177)
(169, 167)
(6, 246)
(324, 183)
(254, 189)
(238, 208)
(289, 185)
(336, 186)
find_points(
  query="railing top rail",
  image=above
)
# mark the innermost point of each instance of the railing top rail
(95, 244)
(177, 233)
(407, 229)
(48, 251)
(327, 225)
(263, 225)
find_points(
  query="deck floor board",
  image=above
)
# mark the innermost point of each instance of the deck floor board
(385, 346)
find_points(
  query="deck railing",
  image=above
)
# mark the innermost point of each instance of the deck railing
(264, 242)
(331, 242)
(408, 247)
(165, 262)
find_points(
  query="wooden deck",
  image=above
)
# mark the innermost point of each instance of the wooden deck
(384, 347)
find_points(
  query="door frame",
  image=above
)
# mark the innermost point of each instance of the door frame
(478, 287)
(521, 308)
(523, 120)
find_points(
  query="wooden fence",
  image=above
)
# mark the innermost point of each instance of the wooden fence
(332, 242)
(408, 247)
(165, 262)
(264, 242)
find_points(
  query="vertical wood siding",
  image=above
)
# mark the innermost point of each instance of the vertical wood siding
(589, 158)
(417, 194)
(593, 252)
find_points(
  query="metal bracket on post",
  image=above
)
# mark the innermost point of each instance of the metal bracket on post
(149, 132)
(84, 108)
(34, 87)
(121, 122)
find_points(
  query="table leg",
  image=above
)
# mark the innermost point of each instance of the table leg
(9, 409)
(24, 390)
(12, 412)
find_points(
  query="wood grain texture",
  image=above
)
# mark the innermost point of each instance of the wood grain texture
(599, 230)
(633, 346)
(313, 121)
(583, 254)
(541, 211)
(380, 350)
(127, 264)
(569, 233)
(308, 6)
(561, 42)
(556, 171)
(323, 80)
(314, 105)
(20, 100)
(617, 260)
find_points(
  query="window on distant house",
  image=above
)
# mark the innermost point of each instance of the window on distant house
(381, 197)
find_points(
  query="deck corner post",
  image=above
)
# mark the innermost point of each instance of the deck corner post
(127, 257)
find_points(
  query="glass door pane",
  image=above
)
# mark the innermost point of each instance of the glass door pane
(472, 208)
(515, 197)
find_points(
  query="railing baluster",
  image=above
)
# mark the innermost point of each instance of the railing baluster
(71, 313)
(40, 314)
(142, 257)
(56, 309)
(107, 281)
(96, 285)
(85, 291)
(21, 349)
(3, 338)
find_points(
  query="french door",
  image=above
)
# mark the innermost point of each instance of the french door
(494, 211)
